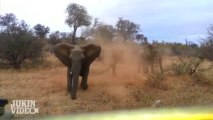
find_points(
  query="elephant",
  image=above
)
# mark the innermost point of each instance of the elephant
(78, 60)
(148, 56)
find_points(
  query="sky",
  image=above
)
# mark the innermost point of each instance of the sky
(168, 20)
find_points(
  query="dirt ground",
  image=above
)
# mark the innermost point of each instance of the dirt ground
(106, 92)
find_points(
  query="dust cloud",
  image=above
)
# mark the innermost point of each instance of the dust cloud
(117, 70)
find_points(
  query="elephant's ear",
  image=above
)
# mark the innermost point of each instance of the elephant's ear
(91, 52)
(62, 52)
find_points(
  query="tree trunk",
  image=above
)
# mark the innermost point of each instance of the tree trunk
(16, 66)
(74, 34)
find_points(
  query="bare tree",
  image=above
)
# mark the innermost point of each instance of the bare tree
(207, 44)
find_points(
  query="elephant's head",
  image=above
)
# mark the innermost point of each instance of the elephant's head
(78, 60)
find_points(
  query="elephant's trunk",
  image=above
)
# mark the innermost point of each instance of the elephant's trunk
(76, 68)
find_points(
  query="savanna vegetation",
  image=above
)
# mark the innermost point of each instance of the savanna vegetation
(29, 69)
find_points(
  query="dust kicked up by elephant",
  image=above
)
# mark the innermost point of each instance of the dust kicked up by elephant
(78, 60)
(148, 57)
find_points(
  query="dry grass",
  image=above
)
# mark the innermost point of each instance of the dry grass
(106, 92)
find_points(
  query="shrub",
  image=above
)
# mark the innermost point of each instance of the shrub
(17, 42)
(156, 80)
(184, 67)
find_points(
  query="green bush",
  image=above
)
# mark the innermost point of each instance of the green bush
(17, 42)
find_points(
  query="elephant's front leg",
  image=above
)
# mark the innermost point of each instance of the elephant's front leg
(69, 77)
(84, 84)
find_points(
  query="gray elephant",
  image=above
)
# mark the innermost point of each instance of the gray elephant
(148, 57)
(78, 60)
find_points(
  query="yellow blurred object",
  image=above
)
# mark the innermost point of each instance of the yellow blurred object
(192, 113)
